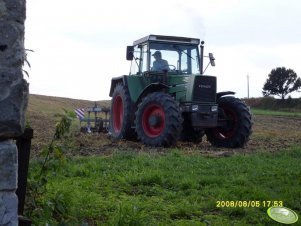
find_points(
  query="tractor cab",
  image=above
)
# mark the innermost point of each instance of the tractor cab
(164, 54)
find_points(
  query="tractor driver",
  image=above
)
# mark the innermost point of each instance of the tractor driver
(159, 64)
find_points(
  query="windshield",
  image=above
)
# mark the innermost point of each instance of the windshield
(178, 58)
(158, 57)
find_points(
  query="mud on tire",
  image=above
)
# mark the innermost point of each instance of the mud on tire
(238, 127)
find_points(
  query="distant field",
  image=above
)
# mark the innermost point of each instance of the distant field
(257, 111)
(275, 107)
(270, 103)
(126, 183)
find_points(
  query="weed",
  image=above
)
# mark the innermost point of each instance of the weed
(40, 207)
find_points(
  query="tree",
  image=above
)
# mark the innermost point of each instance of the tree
(281, 82)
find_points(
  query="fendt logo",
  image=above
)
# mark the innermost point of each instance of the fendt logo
(205, 86)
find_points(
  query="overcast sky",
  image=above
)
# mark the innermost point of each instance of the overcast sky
(80, 45)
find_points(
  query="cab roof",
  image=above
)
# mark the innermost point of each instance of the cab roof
(167, 39)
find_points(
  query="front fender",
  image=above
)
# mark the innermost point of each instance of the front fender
(224, 93)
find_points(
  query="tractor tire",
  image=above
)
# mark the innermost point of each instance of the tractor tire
(190, 134)
(236, 132)
(158, 120)
(120, 115)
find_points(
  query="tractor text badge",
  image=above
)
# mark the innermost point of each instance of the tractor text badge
(282, 215)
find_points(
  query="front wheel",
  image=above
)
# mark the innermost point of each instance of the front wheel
(236, 124)
(158, 120)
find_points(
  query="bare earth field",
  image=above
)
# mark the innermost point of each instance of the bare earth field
(270, 133)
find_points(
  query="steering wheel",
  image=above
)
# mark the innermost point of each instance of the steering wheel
(174, 67)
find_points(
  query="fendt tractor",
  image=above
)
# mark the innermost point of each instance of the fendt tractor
(167, 97)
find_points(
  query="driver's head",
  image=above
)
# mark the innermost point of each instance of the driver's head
(157, 55)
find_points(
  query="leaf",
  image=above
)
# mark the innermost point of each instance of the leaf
(58, 152)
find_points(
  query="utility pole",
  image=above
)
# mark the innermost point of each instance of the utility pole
(248, 77)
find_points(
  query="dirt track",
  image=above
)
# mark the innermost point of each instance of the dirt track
(270, 133)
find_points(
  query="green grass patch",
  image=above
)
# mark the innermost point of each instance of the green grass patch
(174, 189)
(257, 111)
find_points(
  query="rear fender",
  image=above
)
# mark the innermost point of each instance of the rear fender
(115, 81)
(154, 87)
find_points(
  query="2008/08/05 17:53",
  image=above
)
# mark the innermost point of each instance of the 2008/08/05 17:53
(249, 203)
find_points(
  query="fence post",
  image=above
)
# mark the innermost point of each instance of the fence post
(23, 144)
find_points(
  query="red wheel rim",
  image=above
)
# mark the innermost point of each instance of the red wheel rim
(156, 111)
(229, 132)
(117, 113)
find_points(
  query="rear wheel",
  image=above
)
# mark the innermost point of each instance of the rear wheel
(120, 117)
(237, 124)
(158, 120)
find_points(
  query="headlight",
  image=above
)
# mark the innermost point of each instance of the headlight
(195, 107)
(213, 108)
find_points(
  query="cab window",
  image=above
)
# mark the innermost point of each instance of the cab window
(139, 63)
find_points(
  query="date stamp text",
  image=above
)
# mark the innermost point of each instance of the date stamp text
(248, 203)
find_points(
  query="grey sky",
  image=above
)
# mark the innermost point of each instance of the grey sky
(80, 45)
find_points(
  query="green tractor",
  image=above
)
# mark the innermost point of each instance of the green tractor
(167, 97)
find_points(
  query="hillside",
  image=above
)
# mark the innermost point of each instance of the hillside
(270, 133)
(49, 105)
(43, 112)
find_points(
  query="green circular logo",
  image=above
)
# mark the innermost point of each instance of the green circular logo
(282, 215)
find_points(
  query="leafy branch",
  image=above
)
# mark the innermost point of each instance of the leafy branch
(54, 150)
(53, 160)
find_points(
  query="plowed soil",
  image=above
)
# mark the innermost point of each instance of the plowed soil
(270, 133)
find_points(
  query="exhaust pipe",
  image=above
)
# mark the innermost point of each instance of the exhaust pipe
(202, 57)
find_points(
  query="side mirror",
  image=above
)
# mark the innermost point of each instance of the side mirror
(212, 59)
(130, 52)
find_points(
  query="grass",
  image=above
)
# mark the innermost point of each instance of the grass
(127, 188)
(257, 111)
